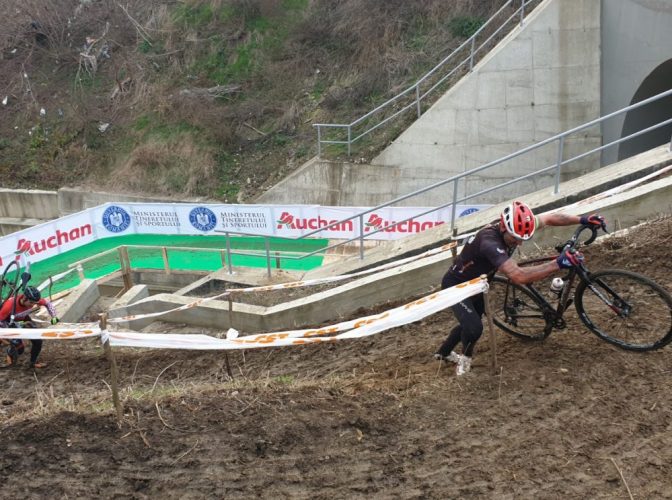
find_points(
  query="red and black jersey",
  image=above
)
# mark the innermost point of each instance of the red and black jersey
(23, 311)
(483, 253)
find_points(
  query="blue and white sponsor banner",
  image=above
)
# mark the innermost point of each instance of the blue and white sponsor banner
(291, 221)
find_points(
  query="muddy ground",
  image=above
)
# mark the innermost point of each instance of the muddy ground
(570, 417)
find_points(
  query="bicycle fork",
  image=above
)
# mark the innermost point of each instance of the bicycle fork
(622, 310)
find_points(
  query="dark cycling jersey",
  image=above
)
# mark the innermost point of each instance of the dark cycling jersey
(483, 253)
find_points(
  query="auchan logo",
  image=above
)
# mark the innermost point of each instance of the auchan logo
(376, 222)
(55, 240)
(286, 219)
(289, 221)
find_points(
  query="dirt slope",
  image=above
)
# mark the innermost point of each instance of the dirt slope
(151, 97)
(365, 418)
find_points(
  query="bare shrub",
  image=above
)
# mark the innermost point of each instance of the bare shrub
(178, 167)
(330, 61)
(290, 119)
(44, 23)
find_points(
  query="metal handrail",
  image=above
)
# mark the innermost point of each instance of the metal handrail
(455, 179)
(558, 137)
(473, 50)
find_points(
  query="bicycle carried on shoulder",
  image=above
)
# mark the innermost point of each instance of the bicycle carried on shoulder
(621, 307)
(12, 282)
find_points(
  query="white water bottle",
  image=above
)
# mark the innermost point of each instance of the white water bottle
(556, 285)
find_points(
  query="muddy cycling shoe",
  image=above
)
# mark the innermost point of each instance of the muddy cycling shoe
(12, 356)
(463, 365)
(453, 357)
(18, 345)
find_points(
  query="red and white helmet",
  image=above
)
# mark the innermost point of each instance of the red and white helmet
(518, 220)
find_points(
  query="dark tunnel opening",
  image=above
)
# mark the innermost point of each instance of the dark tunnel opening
(659, 80)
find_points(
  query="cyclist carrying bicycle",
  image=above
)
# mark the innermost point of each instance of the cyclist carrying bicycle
(27, 302)
(490, 251)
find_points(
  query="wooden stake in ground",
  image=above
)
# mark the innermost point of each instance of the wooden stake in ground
(125, 267)
(114, 371)
(226, 354)
(491, 329)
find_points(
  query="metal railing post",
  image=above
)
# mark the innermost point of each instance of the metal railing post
(561, 147)
(267, 242)
(522, 11)
(453, 208)
(349, 139)
(417, 98)
(471, 53)
(228, 253)
(361, 236)
(319, 141)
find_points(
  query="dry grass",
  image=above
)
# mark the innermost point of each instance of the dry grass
(179, 165)
(323, 61)
(53, 395)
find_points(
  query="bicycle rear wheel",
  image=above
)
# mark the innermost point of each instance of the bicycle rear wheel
(626, 309)
(9, 280)
(516, 311)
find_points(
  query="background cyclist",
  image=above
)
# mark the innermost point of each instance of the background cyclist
(27, 302)
(489, 251)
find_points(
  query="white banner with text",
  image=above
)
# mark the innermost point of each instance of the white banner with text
(291, 221)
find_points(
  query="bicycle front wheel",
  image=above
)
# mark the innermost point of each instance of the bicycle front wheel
(516, 311)
(626, 309)
(9, 280)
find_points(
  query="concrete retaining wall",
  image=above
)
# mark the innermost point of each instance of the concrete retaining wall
(24, 208)
(636, 41)
(28, 204)
(339, 184)
(542, 79)
(75, 200)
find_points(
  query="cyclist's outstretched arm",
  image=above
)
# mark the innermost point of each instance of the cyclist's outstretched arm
(559, 219)
(562, 219)
(528, 274)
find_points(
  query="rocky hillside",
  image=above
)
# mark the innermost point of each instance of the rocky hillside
(207, 98)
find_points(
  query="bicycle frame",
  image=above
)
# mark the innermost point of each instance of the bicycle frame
(554, 313)
(622, 307)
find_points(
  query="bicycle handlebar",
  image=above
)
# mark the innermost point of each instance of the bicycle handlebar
(573, 243)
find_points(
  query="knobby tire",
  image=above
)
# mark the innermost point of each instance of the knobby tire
(8, 283)
(517, 311)
(638, 315)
